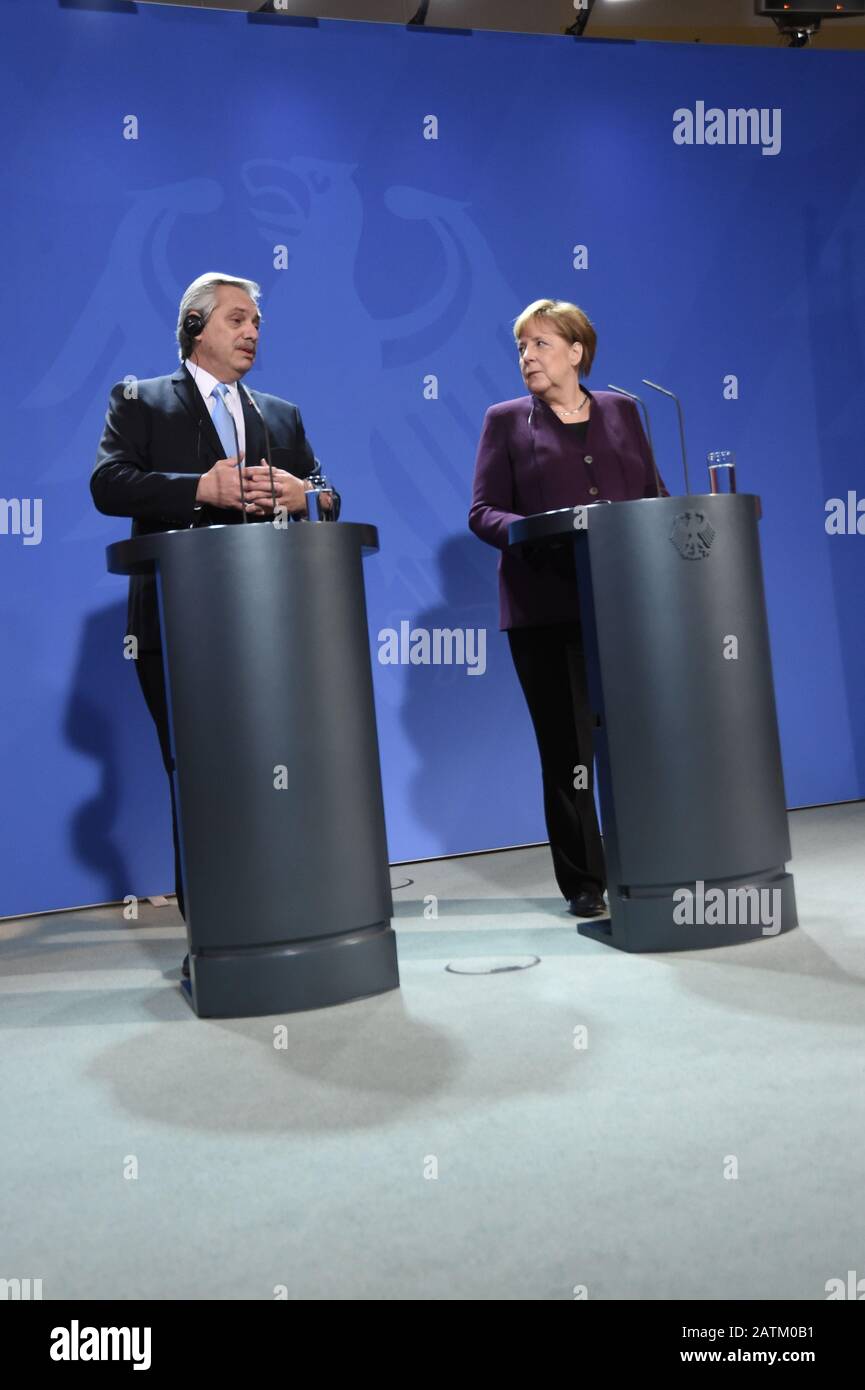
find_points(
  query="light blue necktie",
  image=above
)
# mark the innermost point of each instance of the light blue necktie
(223, 421)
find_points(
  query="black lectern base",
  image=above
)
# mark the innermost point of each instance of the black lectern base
(748, 911)
(248, 982)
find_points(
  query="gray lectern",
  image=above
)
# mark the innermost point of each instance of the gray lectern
(277, 776)
(690, 783)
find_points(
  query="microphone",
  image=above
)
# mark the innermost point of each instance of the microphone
(620, 390)
(199, 407)
(256, 407)
(664, 392)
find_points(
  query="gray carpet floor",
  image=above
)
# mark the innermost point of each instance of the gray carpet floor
(674, 1126)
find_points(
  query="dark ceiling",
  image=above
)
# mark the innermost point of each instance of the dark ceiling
(683, 21)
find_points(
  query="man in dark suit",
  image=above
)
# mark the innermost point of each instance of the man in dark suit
(171, 452)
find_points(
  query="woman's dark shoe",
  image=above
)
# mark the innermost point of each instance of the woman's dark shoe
(184, 969)
(588, 904)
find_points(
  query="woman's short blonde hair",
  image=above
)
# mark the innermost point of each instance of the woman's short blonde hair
(568, 321)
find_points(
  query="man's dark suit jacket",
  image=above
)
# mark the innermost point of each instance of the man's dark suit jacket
(153, 451)
(528, 461)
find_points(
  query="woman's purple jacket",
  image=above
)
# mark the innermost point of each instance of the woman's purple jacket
(528, 462)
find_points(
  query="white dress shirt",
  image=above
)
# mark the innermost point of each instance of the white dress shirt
(205, 383)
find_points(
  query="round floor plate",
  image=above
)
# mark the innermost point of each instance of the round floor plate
(491, 965)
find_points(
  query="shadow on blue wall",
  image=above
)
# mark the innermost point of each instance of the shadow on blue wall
(107, 721)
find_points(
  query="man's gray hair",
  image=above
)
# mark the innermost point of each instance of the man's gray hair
(201, 296)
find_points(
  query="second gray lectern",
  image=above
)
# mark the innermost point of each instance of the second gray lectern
(277, 776)
(676, 643)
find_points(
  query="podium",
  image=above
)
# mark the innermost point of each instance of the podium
(276, 766)
(678, 666)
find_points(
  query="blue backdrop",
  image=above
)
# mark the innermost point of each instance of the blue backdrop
(407, 259)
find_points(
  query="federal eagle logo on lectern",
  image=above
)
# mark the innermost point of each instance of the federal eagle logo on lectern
(692, 535)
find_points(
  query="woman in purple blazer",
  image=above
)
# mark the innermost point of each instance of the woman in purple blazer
(560, 446)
